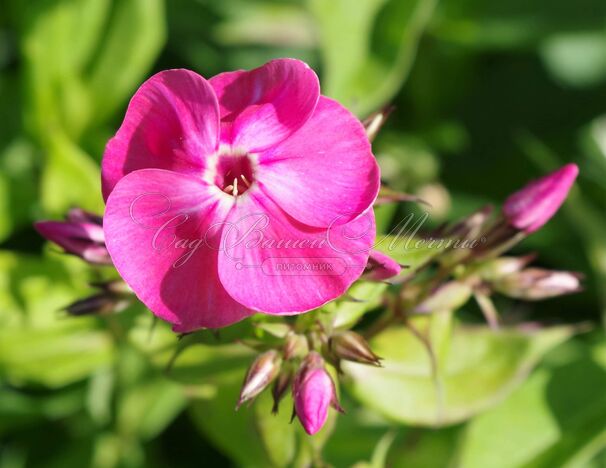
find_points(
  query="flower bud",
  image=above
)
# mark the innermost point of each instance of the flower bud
(118, 287)
(279, 388)
(100, 304)
(350, 346)
(78, 215)
(531, 207)
(534, 284)
(82, 235)
(295, 346)
(381, 267)
(260, 374)
(470, 226)
(374, 122)
(313, 392)
(387, 195)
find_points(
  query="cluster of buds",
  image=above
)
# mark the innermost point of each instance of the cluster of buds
(304, 371)
(300, 363)
(526, 211)
(481, 270)
(81, 234)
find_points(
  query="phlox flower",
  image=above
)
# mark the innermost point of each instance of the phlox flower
(245, 192)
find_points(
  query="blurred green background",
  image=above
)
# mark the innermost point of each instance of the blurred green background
(487, 93)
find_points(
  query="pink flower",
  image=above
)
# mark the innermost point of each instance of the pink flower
(81, 235)
(531, 207)
(247, 192)
(313, 393)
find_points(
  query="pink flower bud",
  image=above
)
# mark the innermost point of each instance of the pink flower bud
(78, 215)
(531, 207)
(381, 267)
(313, 393)
(533, 284)
(81, 235)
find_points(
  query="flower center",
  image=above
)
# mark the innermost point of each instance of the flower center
(234, 173)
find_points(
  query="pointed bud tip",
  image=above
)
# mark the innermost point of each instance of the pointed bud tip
(531, 207)
(351, 346)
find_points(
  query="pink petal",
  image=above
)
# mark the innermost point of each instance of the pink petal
(531, 207)
(262, 107)
(325, 172)
(272, 263)
(381, 267)
(149, 214)
(172, 122)
(313, 399)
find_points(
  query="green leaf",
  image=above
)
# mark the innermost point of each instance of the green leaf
(555, 419)
(408, 250)
(424, 447)
(148, 407)
(364, 297)
(384, 215)
(362, 74)
(449, 296)
(18, 186)
(59, 39)
(70, 178)
(133, 40)
(190, 360)
(477, 370)
(19, 409)
(356, 435)
(55, 356)
(234, 433)
(83, 58)
(36, 344)
(271, 24)
(278, 436)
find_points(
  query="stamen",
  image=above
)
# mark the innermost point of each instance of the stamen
(235, 188)
(234, 173)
